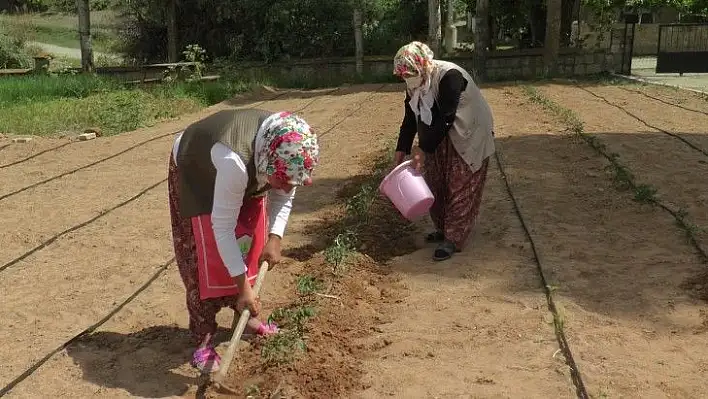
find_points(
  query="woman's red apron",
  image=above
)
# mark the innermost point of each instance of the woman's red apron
(214, 278)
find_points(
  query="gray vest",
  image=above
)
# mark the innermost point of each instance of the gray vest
(471, 132)
(236, 129)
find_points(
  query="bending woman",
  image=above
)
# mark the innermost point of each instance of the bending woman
(454, 125)
(221, 170)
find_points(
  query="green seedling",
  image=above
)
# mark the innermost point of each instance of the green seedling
(342, 248)
(307, 285)
(289, 343)
(252, 392)
(359, 205)
(645, 193)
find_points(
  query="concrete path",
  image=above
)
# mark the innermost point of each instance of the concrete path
(644, 67)
(68, 52)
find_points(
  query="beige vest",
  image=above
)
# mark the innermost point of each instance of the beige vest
(471, 132)
(236, 129)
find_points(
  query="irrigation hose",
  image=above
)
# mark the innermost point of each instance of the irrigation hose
(87, 331)
(34, 367)
(19, 161)
(104, 212)
(674, 135)
(661, 100)
(78, 226)
(59, 176)
(560, 334)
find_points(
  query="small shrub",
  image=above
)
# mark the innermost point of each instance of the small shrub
(285, 346)
(12, 53)
(358, 206)
(307, 285)
(340, 250)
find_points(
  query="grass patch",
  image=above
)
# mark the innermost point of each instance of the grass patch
(30, 89)
(622, 176)
(47, 105)
(51, 104)
(61, 30)
(113, 112)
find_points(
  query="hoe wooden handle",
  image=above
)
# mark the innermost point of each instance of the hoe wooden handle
(238, 330)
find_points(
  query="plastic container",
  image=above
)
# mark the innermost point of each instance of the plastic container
(407, 190)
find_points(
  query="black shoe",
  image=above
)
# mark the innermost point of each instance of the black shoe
(444, 251)
(435, 237)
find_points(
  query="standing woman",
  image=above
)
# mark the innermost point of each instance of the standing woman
(222, 170)
(455, 140)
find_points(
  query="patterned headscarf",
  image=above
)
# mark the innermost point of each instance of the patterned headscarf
(287, 149)
(413, 59)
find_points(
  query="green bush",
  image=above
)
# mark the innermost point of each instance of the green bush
(12, 53)
(276, 30)
(69, 6)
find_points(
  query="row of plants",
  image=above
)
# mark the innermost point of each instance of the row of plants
(352, 238)
(623, 177)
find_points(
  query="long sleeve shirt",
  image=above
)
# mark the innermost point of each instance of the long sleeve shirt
(443, 111)
(229, 190)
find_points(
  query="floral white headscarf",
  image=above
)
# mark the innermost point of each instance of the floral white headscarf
(286, 148)
(416, 60)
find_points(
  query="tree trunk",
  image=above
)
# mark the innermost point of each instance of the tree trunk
(570, 10)
(358, 42)
(172, 47)
(82, 8)
(481, 40)
(551, 45)
(450, 29)
(434, 32)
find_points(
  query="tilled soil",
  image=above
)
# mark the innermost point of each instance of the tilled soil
(396, 324)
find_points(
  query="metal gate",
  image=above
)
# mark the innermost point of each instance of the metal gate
(682, 48)
(622, 44)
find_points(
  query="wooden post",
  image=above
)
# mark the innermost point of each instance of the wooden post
(434, 32)
(172, 39)
(358, 42)
(481, 40)
(551, 45)
(450, 29)
(82, 8)
(41, 64)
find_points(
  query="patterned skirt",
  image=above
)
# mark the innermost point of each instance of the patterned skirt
(202, 313)
(457, 190)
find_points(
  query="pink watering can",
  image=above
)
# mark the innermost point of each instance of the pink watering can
(407, 190)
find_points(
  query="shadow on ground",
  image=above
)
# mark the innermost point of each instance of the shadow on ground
(599, 246)
(599, 243)
(144, 363)
(266, 93)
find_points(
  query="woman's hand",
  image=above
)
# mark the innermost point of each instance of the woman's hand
(418, 159)
(399, 157)
(271, 251)
(247, 299)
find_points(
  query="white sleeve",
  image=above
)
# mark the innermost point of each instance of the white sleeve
(229, 188)
(280, 204)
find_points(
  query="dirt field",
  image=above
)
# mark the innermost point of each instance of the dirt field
(88, 240)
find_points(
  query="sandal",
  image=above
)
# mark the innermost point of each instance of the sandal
(264, 330)
(444, 251)
(435, 237)
(206, 360)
